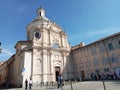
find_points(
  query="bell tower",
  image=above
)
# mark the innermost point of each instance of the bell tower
(40, 12)
(34, 28)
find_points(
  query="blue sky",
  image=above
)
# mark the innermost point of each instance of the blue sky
(83, 20)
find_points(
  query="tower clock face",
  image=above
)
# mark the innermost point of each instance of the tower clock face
(37, 35)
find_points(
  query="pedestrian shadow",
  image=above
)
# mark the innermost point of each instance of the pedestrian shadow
(52, 87)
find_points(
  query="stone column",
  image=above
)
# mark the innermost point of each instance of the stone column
(45, 66)
(49, 64)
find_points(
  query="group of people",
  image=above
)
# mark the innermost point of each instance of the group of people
(104, 76)
(26, 84)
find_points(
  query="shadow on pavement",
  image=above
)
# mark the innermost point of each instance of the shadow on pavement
(6, 86)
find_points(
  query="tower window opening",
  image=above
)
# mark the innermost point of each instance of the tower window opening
(40, 13)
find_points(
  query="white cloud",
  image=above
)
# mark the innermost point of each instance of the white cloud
(5, 54)
(92, 35)
(22, 8)
(101, 32)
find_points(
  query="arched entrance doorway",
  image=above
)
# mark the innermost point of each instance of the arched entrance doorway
(57, 72)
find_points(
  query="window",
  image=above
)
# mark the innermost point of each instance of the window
(93, 51)
(55, 46)
(104, 61)
(88, 64)
(113, 59)
(101, 49)
(110, 46)
(81, 65)
(80, 53)
(119, 43)
(95, 62)
(86, 52)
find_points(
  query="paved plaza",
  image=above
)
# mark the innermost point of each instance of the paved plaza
(87, 85)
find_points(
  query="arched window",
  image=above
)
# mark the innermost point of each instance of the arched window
(55, 46)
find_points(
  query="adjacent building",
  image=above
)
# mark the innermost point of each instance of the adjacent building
(99, 57)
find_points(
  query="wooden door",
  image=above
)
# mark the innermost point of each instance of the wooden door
(82, 74)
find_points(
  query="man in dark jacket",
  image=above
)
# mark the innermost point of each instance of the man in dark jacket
(26, 84)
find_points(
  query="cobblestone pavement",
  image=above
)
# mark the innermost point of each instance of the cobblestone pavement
(87, 85)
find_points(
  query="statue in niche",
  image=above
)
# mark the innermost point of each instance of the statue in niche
(56, 56)
(39, 61)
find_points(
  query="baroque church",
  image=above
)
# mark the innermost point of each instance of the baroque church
(43, 56)
(45, 53)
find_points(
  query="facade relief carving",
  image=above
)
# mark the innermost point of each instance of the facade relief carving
(57, 58)
(38, 61)
(57, 61)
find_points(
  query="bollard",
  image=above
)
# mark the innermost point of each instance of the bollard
(75, 80)
(71, 86)
(62, 84)
(52, 83)
(69, 80)
(41, 84)
(46, 84)
(61, 87)
(80, 79)
(104, 85)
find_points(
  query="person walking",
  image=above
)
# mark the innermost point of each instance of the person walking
(59, 80)
(30, 83)
(26, 84)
